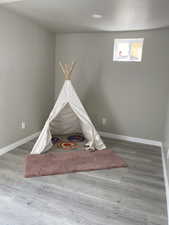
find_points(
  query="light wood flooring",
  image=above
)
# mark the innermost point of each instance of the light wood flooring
(125, 196)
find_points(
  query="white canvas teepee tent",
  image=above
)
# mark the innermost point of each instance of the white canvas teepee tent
(68, 116)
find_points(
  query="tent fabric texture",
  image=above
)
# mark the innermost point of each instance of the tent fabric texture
(68, 116)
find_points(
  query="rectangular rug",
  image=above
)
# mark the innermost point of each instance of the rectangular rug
(74, 161)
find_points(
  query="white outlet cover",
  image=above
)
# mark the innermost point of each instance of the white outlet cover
(168, 154)
(104, 120)
(23, 125)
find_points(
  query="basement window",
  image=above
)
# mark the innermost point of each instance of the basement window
(128, 50)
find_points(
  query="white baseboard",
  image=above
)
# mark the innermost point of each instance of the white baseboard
(18, 143)
(166, 181)
(130, 139)
(103, 134)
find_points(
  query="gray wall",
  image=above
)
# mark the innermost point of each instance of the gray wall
(26, 76)
(132, 96)
(166, 139)
(166, 134)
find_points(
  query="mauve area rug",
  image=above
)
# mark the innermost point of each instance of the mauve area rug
(67, 162)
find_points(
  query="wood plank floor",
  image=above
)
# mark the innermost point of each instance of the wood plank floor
(124, 196)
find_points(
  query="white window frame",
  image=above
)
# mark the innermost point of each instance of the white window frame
(131, 40)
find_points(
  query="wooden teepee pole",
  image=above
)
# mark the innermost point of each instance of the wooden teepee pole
(67, 69)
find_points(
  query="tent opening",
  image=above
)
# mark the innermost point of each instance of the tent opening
(66, 122)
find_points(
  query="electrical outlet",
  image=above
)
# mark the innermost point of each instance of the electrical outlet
(104, 121)
(23, 125)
